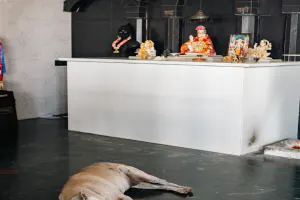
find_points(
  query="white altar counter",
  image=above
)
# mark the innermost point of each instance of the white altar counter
(221, 107)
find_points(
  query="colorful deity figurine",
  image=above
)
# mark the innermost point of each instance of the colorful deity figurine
(147, 50)
(200, 44)
(2, 66)
(240, 48)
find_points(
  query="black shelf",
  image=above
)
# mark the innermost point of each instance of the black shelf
(250, 14)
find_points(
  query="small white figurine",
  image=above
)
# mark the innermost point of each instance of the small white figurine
(261, 50)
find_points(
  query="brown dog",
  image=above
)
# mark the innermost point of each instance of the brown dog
(109, 181)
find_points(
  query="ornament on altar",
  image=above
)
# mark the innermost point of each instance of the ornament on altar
(238, 48)
(200, 44)
(260, 51)
(232, 58)
(238, 45)
(147, 50)
(243, 10)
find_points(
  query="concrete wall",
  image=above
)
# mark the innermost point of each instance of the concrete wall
(36, 33)
(1, 18)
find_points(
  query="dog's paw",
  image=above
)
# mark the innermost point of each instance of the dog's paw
(185, 190)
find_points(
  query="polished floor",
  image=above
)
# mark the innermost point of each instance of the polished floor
(47, 154)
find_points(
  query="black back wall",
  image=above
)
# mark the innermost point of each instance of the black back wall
(94, 30)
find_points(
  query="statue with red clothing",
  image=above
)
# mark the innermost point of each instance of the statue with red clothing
(200, 44)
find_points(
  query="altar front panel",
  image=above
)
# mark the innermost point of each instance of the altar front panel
(186, 106)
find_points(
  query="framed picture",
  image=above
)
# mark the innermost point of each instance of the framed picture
(239, 44)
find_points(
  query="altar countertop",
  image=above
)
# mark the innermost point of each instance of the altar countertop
(211, 106)
(187, 62)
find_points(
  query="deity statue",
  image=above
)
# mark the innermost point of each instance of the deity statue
(200, 44)
(239, 48)
(125, 45)
(261, 50)
(147, 50)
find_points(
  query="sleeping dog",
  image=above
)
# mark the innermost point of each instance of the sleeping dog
(109, 181)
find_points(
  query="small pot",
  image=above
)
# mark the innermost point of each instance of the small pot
(250, 60)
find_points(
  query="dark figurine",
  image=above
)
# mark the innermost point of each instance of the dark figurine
(166, 53)
(125, 45)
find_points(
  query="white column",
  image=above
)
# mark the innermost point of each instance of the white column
(248, 26)
(139, 30)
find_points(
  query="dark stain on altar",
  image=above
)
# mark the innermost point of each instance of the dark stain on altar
(94, 30)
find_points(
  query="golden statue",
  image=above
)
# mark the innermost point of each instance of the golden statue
(147, 50)
(200, 44)
(261, 50)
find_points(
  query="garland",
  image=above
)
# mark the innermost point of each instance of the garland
(116, 48)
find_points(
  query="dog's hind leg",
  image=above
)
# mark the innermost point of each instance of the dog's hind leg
(140, 179)
(150, 186)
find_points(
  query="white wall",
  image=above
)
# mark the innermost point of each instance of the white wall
(1, 21)
(1, 18)
(36, 33)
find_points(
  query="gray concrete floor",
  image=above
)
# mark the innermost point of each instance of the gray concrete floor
(47, 154)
